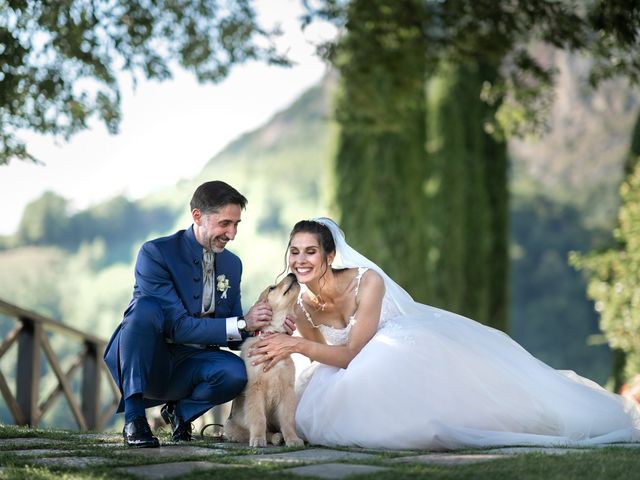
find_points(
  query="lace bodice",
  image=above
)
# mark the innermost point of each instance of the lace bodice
(339, 336)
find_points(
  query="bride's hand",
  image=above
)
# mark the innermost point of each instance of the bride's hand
(290, 324)
(271, 349)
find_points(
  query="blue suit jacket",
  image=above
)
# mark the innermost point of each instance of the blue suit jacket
(169, 269)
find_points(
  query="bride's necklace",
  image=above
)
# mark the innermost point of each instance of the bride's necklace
(317, 302)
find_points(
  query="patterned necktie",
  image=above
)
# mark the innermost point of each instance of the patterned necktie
(208, 274)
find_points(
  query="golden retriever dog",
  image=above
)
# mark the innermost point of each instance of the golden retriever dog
(264, 411)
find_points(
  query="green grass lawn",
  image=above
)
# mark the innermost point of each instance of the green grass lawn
(599, 463)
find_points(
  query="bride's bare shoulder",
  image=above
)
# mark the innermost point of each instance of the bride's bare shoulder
(372, 280)
(355, 272)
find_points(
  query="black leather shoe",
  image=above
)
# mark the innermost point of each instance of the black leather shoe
(181, 430)
(138, 434)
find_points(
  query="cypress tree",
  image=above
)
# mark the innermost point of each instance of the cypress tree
(496, 181)
(380, 155)
(466, 191)
(445, 206)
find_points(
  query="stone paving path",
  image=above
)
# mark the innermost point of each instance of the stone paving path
(104, 455)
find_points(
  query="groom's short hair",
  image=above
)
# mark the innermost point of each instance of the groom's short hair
(212, 196)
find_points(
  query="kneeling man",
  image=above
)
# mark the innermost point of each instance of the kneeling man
(185, 306)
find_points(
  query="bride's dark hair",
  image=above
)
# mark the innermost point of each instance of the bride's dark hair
(325, 239)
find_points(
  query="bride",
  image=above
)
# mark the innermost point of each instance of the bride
(388, 372)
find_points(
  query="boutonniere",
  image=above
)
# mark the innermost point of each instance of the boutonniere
(222, 285)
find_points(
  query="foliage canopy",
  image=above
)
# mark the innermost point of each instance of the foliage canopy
(502, 32)
(60, 58)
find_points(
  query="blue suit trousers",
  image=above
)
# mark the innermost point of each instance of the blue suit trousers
(197, 379)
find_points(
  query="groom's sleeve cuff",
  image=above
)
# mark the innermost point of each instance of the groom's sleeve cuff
(233, 334)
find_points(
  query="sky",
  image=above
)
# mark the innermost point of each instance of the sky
(169, 130)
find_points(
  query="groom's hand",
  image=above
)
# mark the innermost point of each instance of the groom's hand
(258, 316)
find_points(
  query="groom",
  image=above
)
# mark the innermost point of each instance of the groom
(185, 306)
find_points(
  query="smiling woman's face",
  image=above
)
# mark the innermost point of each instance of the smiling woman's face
(306, 259)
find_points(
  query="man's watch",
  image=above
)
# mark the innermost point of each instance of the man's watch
(242, 324)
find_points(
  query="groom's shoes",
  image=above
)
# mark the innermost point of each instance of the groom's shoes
(138, 434)
(181, 430)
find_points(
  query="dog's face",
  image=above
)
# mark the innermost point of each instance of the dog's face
(282, 299)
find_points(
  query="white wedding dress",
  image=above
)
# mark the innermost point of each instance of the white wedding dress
(431, 379)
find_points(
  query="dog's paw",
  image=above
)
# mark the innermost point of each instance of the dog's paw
(258, 442)
(294, 442)
(276, 438)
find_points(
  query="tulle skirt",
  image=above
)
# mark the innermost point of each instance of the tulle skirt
(440, 381)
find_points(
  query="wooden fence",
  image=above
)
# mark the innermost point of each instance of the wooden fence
(31, 337)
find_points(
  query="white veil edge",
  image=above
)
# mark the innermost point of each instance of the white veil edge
(348, 257)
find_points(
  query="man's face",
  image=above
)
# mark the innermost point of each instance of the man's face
(214, 229)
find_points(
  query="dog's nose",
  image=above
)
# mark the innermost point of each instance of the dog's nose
(294, 281)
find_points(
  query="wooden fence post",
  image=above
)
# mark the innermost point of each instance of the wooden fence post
(91, 385)
(28, 370)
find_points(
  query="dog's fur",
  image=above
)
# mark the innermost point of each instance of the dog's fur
(265, 409)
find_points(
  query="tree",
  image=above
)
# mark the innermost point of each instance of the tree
(484, 38)
(614, 276)
(60, 58)
(44, 221)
